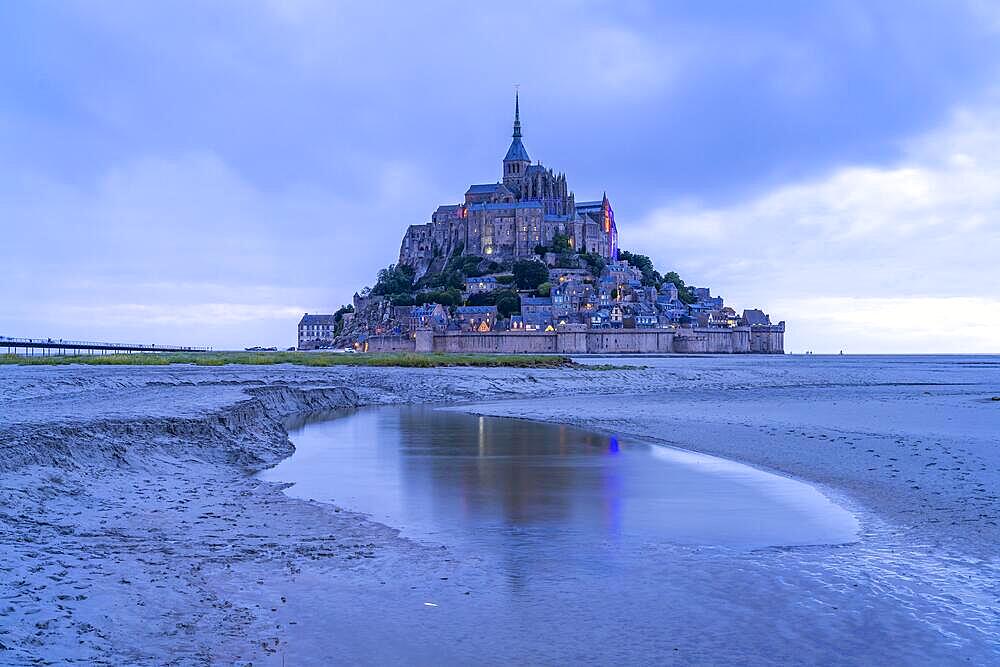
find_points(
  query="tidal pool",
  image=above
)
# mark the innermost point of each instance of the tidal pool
(489, 482)
(563, 546)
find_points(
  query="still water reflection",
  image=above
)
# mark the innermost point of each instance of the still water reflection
(489, 482)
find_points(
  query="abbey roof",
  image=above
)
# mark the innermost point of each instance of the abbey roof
(482, 188)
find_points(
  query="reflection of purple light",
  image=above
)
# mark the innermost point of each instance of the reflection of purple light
(613, 445)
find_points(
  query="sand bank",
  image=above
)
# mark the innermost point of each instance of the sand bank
(132, 531)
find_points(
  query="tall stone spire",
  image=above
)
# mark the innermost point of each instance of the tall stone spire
(517, 116)
(516, 153)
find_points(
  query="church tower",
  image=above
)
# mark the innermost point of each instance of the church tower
(516, 162)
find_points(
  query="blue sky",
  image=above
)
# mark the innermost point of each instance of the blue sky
(202, 173)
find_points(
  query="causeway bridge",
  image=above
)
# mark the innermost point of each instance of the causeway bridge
(52, 346)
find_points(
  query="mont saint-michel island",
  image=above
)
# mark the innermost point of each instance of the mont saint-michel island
(521, 266)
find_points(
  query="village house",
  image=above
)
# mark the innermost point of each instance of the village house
(480, 285)
(726, 317)
(705, 301)
(411, 318)
(755, 318)
(668, 293)
(623, 273)
(476, 318)
(569, 295)
(644, 316)
(536, 305)
(600, 319)
(537, 312)
(617, 317)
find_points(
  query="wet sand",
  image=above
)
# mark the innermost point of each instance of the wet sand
(133, 531)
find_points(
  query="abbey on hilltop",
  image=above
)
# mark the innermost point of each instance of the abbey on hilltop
(510, 218)
(521, 266)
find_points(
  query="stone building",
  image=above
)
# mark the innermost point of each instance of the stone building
(508, 219)
(316, 331)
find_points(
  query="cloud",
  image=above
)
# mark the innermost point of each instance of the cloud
(900, 325)
(188, 245)
(916, 236)
(175, 157)
(182, 315)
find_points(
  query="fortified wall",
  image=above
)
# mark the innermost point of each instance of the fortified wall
(707, 340)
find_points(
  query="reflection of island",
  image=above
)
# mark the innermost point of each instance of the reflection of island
(536, 499)
(508, 471)
(511, 481)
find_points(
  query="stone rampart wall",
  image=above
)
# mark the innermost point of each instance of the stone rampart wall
(738, 340)
(630, 341)
(497, 343)
(706, 340)
(768, 340)
(390, 344)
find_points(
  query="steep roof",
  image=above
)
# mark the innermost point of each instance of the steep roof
(536, 318)
(516, 152)
(482, 188)
(755, 317)
(308, 319)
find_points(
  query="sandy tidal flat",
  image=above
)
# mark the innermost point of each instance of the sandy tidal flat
(134, 532)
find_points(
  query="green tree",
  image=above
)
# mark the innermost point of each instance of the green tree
(595, 263)
(394, 279)
(560, 243)
(482, 299)
(446, 297)
(568, 260)
(402, 300)
(529, 273)
(508, 303)
(650, 276)
(545, 289)
(338, 317)
(684, 293)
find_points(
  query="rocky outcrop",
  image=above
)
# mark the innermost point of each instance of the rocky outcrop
(376, 316)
